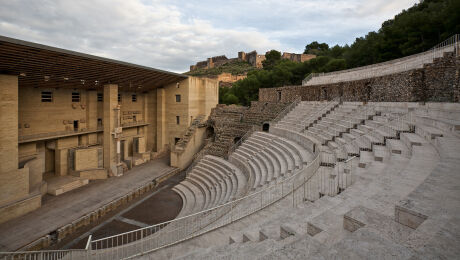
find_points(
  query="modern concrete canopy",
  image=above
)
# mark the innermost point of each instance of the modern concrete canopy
(45, 66)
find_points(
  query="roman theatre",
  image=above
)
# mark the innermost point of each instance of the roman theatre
(355, 164)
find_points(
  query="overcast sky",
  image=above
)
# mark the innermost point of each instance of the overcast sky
(174, 34)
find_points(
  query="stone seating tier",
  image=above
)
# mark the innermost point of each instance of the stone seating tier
(390, 204)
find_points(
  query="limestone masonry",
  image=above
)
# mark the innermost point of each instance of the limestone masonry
(64, 125)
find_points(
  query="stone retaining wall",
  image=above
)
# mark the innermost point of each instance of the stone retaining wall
(435, 82)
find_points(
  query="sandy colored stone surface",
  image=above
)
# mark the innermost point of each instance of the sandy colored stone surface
(59, 211)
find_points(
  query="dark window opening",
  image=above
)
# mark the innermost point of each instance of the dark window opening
(99, 122)
(134, 119)
(314, 148)
(265, 127)
(75, 96)
(134, 98)
(100, 97)
(119, 97)
(279, 95)
(176, 140)
(177, 98)
(236, 140)
(177, 119)
(47, 96)
(325, 93)
(209, 132)
(75, 125)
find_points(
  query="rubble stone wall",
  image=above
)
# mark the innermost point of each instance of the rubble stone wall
(435, 82)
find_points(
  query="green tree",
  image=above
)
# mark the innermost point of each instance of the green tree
(271, 58)
(414, 30)
(316, 48)
(229, 98)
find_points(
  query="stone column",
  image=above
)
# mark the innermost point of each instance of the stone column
(91, 109)
(151, 119)
(15, 199)
(8, 123)
(109, 123)
(161, 119)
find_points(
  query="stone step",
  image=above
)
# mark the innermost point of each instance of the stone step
(383, 225)
(411, 139)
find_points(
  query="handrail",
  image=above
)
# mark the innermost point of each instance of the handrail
(174, 231)
(88, 243)
(278, 117)
(401, 119)
(388, 67)
(328, 105)
(242, 139)
(286, 110)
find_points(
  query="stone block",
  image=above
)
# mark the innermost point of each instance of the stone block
(312, 230)
(408, 217)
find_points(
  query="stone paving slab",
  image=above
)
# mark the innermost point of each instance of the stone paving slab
(61, 210)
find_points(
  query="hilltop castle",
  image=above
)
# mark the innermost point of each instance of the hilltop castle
(251, 57)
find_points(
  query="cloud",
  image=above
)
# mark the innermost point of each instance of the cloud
(174, 34)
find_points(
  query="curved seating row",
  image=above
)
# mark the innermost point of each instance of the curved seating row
(271, 157)
(212, 181)
(385, 146)
(260, 160)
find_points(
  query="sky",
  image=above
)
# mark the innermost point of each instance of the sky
(174, 34)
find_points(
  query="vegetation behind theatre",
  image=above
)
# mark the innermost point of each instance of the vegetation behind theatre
(414, 30)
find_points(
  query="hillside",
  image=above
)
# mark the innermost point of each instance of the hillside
(233, 67)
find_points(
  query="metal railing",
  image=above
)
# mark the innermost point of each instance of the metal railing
(144, 240)
(45, 255)
(385, 68)
(286, 110)
(390, 129)
(305, 122)
(239, 142)
(278, 117)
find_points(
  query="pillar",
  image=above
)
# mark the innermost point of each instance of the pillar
(14, 182)
(151, 119)
(109, 122)
(91, 109)
(8, 123)
(161, 119)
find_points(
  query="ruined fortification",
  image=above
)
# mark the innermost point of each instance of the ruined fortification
(250, 57)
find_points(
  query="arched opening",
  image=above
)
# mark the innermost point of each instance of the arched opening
(279, 95)
(209, 132)
(265, 127)
(236, 139)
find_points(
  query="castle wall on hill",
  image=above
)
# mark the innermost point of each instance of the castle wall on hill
(251, 57)
(212, 62)
(435, 82)
(297, 57)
